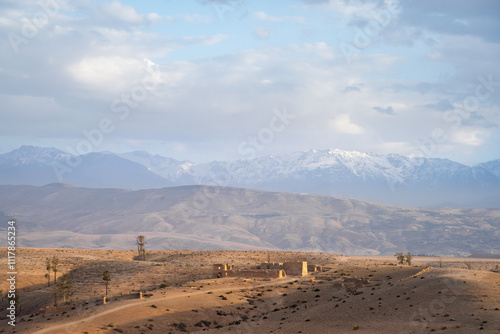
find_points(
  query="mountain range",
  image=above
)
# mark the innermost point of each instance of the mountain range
(208, 218)
(392, 179)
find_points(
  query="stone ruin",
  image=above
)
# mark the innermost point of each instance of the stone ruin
(314, 268)
(297, 268)
(227, 270)
(221, 270)
(266, 270)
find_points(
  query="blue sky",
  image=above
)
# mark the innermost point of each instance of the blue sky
(204, 80)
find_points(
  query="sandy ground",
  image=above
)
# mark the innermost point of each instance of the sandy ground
(181, 295)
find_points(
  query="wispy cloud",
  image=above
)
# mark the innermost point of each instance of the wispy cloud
(266, 17)
(261, 33)
(197, 18)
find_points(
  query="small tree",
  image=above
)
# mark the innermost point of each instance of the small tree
(141, 243)
(48, 268)
(409, 257)
(400, 257)
(55, 263)
(107, 278)
(64, 288)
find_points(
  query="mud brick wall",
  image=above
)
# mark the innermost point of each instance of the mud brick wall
(297, 268)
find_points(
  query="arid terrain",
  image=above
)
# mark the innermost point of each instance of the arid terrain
(225, 218)
(180, 294)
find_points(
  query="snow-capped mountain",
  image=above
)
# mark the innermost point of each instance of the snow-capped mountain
(39, 166)
(29, 155)
(392, 178)
(492, 167)
(175, 171)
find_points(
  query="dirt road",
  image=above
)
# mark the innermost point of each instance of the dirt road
(71, 326)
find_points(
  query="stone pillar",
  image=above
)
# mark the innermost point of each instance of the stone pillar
(140, 295)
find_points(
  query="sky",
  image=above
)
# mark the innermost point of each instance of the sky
(207, 80)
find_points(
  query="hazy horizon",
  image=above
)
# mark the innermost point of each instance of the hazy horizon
(251, 158)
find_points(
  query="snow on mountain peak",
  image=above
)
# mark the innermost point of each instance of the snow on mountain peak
(28, 154)
(323, 171)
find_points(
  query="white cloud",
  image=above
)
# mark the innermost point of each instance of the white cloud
(261, 33)
(350, 9)
(342, 123)
(211, 40)
(297, 19)
(197, 18)
(206, 40)
(266, 17)
(115, 13)
(111, 73)
(464, 22)
(122, 12)
(467, 136)
(210, 105)
(8, 22)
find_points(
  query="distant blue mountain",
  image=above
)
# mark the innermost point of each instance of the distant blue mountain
(39, 166)
(392, 178)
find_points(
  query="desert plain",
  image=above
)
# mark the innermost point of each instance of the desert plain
(180, 294)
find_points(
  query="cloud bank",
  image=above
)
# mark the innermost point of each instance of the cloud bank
(194, 82)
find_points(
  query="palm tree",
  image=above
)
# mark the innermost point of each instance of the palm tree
(55, 263)
(48, 268)
(107, 278)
